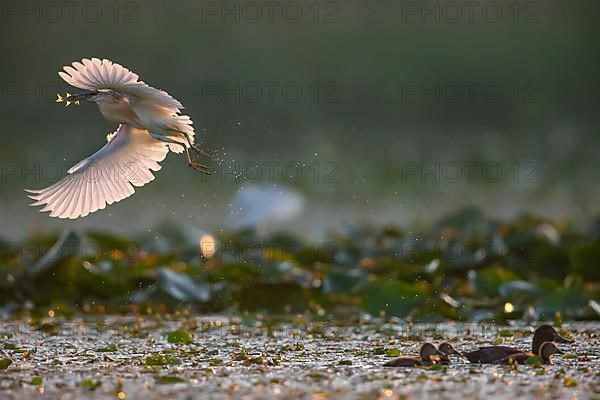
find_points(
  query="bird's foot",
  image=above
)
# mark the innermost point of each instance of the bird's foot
(202, 168)
(203, 153)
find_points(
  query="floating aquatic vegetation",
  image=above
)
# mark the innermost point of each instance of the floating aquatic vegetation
(179, 336)
(464, 267)
(5, 363)
(161, 360)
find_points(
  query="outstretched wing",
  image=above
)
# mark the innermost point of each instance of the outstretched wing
(108, 176)
(96, 74)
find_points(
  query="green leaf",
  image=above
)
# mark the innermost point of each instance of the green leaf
(566, 299)
(395, 298)
(179, 336)
(570, 382)
(393, 353)
(5, 363)
(241, 356)
(165, 380)
(379, 351)
(585, 261)
(343, 279)
(437, 367)
(89, 384)
(551, 261)
(469, 221)
(535, 361)
(505, 333)
(161, 359)
(254, 360)
(49, 328)
(108, 349)
(488, 281)
(36, 380)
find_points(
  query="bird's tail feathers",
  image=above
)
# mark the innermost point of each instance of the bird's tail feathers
(183, 125)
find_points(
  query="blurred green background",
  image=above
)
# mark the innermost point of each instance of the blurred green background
(356, 134)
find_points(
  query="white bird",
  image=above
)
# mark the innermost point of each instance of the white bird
(150, 126)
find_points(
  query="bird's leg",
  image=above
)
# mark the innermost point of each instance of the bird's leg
(203, 153)
(196, 148)
(197, 166)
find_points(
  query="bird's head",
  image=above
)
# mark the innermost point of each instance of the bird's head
(428, 350)
(448, 349)
(105, 96)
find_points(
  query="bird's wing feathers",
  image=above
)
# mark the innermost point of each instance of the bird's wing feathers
(96, 74)
(108, 176)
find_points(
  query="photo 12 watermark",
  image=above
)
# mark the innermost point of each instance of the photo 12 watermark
(270, 12)
(32, 173)
(28, 92)
(269, 92)
(69, 12)
(470, 12)
(468, 92)
(470, 172)
(277, 172)
(221, 92)
(225, 171)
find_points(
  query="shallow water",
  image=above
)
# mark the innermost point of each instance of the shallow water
(109, 356)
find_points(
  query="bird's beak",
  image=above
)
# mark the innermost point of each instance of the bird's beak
(456, 353)
(69, 98)
(83, 96)
(559, 351)
(561, 339)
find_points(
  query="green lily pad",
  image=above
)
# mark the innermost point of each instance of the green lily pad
(165, 380)
(108, 349)
(585, 261)
(161, 359)
(90, 384)
(36, 381)
(393, 353)
(179, 336)
(488, 281)
(5, 363)
(395, 298)
(343, 279)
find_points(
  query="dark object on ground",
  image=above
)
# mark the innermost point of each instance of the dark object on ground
(492, 354)
(426, 352)
(448, 350)
(547, 349)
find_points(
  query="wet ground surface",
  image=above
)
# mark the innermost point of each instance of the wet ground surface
(221, 357)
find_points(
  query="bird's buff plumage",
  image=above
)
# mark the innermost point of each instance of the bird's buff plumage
(150, 125)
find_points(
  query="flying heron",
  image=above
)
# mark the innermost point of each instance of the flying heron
(150, 124)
